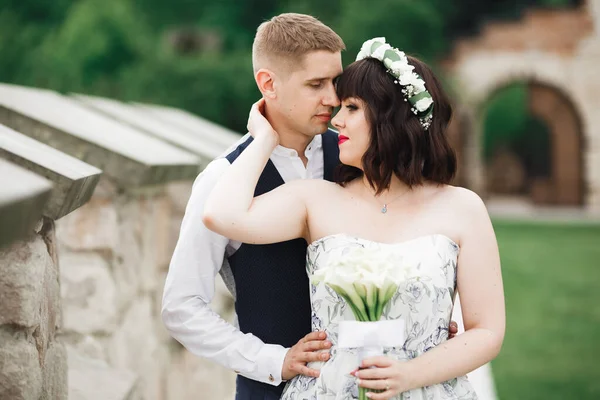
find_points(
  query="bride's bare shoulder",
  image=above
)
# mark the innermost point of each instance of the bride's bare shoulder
(463, 201)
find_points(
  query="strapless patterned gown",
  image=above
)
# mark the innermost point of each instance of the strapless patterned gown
(424, 302)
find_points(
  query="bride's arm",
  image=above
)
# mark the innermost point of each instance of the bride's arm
(482, 300)
(231, 209)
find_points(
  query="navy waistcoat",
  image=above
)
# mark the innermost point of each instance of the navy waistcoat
(272, 288)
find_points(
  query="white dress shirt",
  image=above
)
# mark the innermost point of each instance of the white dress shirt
(199, 256)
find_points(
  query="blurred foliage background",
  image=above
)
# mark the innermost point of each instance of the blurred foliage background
(195, 54)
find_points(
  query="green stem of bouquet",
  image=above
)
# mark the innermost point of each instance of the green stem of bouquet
(362, 394)
(370, 310)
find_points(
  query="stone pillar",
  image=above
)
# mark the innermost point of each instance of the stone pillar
(26, 270)
(33, 359)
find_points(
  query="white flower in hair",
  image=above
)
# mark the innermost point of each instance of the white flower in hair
(365, 50)
(402, 71)
(413, 80)
(418, 85)
(406, 79)
(423, 104)
(380, 52)
(401, 67)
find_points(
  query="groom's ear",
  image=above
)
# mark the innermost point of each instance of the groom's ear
(265, 80)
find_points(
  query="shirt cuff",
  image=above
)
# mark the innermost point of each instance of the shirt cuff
(269, 363)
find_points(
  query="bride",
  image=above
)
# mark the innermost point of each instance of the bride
(392, 195)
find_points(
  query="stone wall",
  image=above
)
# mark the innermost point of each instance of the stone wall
(98, 335)
(32, 357)
(115, 253)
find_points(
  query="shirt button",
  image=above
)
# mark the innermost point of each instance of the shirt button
(271, 379)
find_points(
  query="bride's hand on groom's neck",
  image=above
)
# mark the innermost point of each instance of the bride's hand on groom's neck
(308, 349)
(258, 125)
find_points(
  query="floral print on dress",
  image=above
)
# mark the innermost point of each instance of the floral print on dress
(424, 302)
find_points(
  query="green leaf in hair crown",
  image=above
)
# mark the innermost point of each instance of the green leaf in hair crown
(413, 86)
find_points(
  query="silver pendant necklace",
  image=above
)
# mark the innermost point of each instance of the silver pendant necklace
(384, 209)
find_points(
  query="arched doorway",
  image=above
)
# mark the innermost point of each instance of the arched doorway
(532, 145)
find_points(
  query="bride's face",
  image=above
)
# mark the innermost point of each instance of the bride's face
(354, 131)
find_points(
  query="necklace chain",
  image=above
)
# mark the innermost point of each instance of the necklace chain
(384, 208)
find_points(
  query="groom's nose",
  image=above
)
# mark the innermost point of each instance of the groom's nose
(331, 98)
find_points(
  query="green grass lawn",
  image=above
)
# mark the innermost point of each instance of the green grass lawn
(552, 286)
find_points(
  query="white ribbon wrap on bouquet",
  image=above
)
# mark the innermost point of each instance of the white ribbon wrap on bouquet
(371, 337)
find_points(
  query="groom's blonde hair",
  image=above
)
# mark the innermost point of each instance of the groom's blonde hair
(282, 42)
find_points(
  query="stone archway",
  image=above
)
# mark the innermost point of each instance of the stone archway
(563, 183)
(566, 183)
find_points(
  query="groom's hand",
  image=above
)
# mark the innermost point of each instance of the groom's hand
(304, 352)
(452, 329)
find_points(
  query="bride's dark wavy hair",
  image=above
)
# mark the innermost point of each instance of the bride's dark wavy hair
(399, 144)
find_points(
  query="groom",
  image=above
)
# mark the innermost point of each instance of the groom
(296, 59)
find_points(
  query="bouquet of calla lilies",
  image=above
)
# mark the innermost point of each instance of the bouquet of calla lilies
(366, 279)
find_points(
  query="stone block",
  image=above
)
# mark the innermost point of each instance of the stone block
(179, 194)
(55, 373)
(91, 379)
(73, 180)
(154, 126)
(221, 136)
(135, 345)
(92, 227)
(20, 371)
(127, 260)
(50, 308)
(87, 345)
(135, 340)
(22, 199)
(88, 294)
(23, 268)
(132, 158)
(155, 213)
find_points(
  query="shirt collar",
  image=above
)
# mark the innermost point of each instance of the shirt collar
(313, 146)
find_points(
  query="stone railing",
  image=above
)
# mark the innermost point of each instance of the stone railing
(114, 250)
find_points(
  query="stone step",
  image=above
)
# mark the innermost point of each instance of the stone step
(74, 180)
(130, 157)
(22, 199)
(151, 124)
(193, 123)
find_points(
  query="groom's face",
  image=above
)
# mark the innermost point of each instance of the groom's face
(306, 97)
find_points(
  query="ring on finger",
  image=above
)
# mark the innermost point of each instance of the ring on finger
(387, 385)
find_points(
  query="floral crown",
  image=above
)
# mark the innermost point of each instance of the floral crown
(397, 65)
